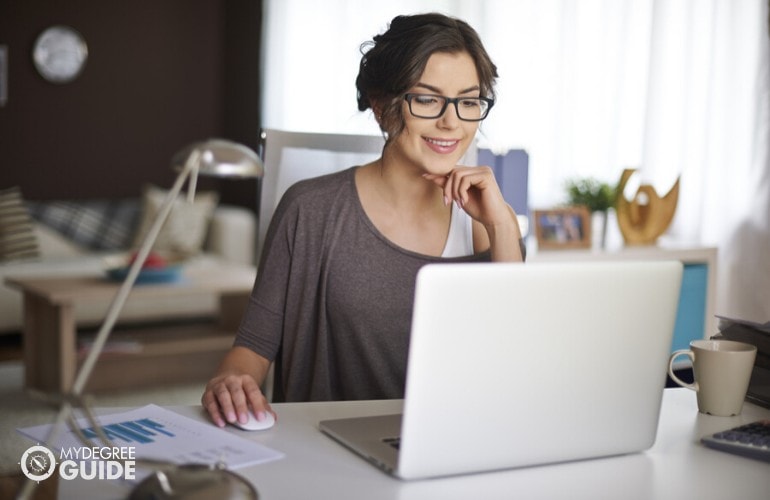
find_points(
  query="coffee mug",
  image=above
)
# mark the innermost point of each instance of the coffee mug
(722, 370)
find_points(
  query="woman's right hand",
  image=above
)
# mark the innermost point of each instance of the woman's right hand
(230, 397)
(234, 391)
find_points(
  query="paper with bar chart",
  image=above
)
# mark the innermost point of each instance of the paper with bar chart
(157, 433)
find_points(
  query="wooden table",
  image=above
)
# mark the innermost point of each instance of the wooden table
(143, 356)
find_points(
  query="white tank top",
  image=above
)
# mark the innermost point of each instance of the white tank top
(459, 242)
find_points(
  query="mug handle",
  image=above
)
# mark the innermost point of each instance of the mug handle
(674, 355)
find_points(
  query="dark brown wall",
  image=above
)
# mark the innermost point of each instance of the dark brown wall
(160, 74)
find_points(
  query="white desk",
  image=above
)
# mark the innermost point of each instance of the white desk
(315, 467)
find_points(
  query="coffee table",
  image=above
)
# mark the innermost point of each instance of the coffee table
(140, 356)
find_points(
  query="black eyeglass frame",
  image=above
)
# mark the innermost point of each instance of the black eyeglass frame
(447, 101)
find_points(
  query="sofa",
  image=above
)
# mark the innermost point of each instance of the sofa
(85, 237)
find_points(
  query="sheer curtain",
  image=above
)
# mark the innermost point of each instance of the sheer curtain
(587, 87)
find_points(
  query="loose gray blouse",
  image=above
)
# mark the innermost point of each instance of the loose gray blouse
(332, 302)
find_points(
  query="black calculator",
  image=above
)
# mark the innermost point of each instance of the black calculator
(750, 440)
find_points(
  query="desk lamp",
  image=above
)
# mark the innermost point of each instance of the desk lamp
(213, 157)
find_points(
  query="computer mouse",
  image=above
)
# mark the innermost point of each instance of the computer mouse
(252, 424)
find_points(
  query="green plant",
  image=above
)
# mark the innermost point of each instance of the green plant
(596, 195)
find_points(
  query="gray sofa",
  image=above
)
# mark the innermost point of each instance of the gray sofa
(230, 237)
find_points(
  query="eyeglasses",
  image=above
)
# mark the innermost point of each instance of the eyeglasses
(469, 109)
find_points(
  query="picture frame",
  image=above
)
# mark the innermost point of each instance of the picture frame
(563, 228)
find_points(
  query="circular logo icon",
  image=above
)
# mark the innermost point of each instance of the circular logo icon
(38, 463)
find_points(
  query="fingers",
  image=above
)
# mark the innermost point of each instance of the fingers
(455, 185)
(439, 180)
(256, 400)
(459, 183)
(211, 403)
(480, 178)
(229, 398)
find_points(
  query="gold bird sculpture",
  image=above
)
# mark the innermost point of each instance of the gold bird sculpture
(647, 216)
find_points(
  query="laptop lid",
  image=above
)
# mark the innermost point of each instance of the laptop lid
(516, 365)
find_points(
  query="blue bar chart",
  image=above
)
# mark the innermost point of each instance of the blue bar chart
(160, 434)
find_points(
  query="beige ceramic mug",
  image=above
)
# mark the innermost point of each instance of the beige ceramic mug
(722, 370)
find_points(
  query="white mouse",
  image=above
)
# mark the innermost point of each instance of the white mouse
(252, 424)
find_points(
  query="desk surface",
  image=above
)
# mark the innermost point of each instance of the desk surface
(676, 467)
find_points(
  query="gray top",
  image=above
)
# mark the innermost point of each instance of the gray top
(332, 303)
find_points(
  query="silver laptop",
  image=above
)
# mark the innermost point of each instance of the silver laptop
(516, 365)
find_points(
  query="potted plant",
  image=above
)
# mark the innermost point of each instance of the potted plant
(598, 196)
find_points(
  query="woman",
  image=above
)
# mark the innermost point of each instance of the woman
(333, 299)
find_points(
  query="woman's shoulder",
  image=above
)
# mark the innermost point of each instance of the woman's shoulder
(323, 183)
(320, 190)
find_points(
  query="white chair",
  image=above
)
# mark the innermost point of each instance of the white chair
(293, 156)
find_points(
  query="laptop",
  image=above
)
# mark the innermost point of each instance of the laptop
(514, 365)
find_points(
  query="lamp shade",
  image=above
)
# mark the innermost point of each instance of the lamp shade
(221, 158)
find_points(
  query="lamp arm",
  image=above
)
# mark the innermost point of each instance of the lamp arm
(191, 168)
(236, 160)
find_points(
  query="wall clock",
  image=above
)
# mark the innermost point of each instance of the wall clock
(59, 54)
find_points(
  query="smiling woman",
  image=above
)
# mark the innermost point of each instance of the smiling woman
(587, 89)
(332, 304)
(394, 62)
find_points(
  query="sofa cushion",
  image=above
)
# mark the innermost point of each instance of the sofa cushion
(185, 229)
(94, 224)
(53, 244)
(17, 236)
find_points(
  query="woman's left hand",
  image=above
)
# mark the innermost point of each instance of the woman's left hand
(476, 191)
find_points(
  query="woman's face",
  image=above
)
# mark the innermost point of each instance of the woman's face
(435, 145)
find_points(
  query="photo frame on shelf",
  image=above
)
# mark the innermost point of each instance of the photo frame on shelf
(562, 228)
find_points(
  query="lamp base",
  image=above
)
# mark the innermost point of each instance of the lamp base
(194, 481)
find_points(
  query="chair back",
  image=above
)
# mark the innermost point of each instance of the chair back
(293, 156)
